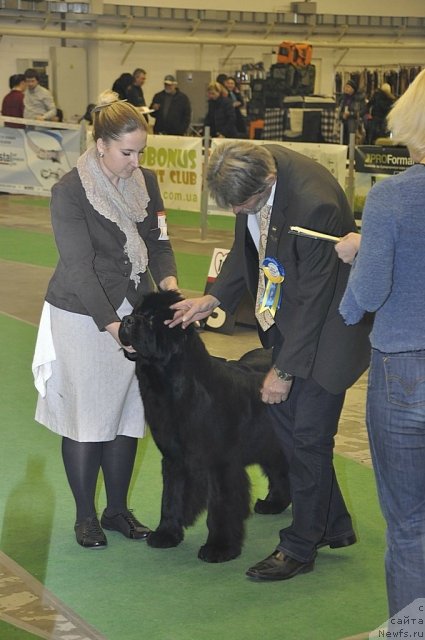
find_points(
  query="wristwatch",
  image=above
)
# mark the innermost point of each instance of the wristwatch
(286, 377)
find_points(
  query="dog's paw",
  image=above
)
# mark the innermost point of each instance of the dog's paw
(212, 553)
(269, 507)
(161, 539)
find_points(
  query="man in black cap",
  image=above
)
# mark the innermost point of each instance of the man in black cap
(171, 109)
(351, 107)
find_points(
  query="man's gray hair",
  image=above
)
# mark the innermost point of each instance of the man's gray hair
(237, 171)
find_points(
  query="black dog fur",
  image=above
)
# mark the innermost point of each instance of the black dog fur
(207, 419)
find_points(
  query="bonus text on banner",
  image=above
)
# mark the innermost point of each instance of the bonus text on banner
(177, 162)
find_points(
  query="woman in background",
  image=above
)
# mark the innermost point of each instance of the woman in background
(109, 227)
(122, 85)
(386, 278)
(237, 99)
(377, 110)
(351, 106)
(221, 115)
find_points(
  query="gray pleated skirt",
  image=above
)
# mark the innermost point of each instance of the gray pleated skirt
(92, 394)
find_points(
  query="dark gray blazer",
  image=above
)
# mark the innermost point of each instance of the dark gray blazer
(92, 276)
(310, 337)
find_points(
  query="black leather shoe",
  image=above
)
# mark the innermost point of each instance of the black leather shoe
(127, 524)
(279, 566)
(89, 534)
(337, 543)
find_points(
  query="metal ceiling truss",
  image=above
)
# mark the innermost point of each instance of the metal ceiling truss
(156, 24)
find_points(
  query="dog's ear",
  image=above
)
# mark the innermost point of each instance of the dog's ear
(130, 356)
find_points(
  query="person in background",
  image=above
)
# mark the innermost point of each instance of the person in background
(110, 231)
(384, 280)
(221, 79)
(38, 101)
(122, 85)
(221, 115)
(13, 102)
(376, 112)
(88, 115)
(237, 99)
(316, 357)
(171, 109)
(135, 92)
(351, 107)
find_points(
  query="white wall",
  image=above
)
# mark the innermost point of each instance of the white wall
(107, 60)
(161, 59)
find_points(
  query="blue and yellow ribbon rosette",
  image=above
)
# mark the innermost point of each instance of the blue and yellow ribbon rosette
(274, 274)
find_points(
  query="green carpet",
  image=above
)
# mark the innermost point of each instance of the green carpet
(130, 591)
(32, 201)
(8, 632)
(39, 249)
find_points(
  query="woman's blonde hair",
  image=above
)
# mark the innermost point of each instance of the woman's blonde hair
(112, 118)
(406, 120)
(215, 86)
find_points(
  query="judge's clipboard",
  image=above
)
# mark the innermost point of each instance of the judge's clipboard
(314, 235)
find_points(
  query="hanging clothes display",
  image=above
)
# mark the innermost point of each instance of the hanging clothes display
(369, 80)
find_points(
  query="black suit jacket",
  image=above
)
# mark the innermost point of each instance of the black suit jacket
(309, 337)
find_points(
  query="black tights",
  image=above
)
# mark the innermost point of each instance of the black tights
(83, 461)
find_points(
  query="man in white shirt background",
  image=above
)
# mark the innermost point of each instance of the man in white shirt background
(38, 102)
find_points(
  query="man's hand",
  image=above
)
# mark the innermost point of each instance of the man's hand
(192, 309)
(348, 247)
(274, 389)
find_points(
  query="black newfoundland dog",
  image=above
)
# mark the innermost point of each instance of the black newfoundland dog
(207, 419)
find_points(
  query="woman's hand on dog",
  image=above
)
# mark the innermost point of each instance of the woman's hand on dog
(113, 329)
(191, 310)
(274, 389)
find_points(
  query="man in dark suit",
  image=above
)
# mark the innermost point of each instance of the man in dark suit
(316, 356)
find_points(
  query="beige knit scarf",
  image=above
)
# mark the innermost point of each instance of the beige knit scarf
(124, 205)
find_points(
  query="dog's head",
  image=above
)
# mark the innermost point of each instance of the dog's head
(145, 331)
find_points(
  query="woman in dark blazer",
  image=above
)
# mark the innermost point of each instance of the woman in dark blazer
(221, 115)
(111, 235)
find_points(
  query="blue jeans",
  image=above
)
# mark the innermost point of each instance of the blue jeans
(396, 426)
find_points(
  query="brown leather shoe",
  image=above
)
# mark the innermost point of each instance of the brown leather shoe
(279, 566)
